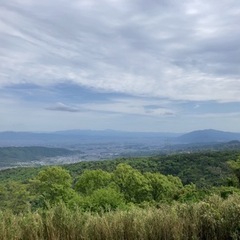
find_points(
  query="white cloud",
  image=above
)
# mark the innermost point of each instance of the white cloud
(222, 115)
(134, 107)
(179, 51)
(63, 107)
(124, 106)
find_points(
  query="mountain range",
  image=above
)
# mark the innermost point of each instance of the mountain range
(91, 136)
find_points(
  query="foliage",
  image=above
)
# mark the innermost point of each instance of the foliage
(190, 193)
(118, 201)
(212, 219)
(116, 184)
(53, 184)
(20, 174)
(163, 188)
(235, 167)
(104, 199)
(15, 196)
(131, 183)
(205, 169)
(91, 180)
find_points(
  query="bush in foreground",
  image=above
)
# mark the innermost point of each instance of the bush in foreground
(212, 219)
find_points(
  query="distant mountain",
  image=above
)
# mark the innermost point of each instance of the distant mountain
(64, 138)
(30, 149)
(71, 137)
(208, 136)
(27, 139)
(109, 132)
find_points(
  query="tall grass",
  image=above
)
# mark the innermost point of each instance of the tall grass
(212, 219)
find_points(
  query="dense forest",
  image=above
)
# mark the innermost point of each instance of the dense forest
(181, 196)
(205, 168)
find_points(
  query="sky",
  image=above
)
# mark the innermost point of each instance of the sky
(129, 65)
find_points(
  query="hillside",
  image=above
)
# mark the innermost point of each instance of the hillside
(15, 156)
(127, 198)
(202, 168)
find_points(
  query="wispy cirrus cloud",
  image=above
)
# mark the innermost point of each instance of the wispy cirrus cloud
(63, 107)
(124, 106)
(177, 50)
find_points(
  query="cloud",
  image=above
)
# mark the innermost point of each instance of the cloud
(176, 50)
(222, 115)
(158, 110)
(63, 107)
(124, 106)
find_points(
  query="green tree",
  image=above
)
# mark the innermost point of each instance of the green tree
(190, 193)
(104, 199)
(91, 180)
(53, 184)
(14, 196)
(132, 184)
(235, 167)
(163, 187)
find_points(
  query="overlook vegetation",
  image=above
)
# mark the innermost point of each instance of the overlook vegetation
(211, 219)
(208, 168)
(139, 198)
(12, 155)
(94, 190)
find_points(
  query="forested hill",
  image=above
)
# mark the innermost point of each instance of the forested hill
(13, 155)
(205, 169)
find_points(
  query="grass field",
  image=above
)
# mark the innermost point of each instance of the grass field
(212, 219)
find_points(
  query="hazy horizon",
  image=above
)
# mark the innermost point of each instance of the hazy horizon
(115, 130)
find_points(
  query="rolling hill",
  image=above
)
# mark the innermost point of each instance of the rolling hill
(208, 136)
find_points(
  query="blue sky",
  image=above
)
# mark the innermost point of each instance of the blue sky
(131, 65)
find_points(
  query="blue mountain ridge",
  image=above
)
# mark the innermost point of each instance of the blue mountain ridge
(70, 136)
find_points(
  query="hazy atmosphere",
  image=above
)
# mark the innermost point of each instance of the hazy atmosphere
(131, 65)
